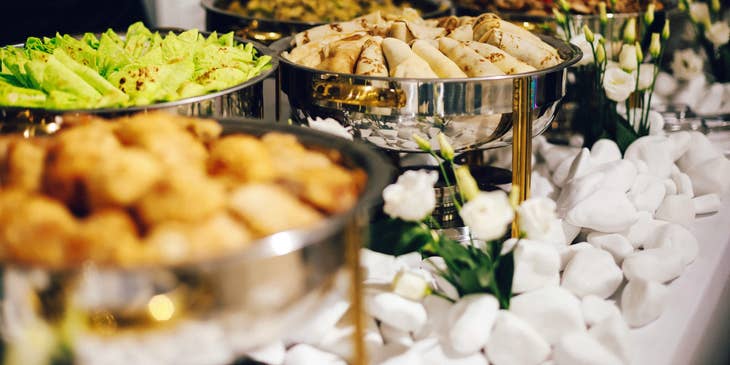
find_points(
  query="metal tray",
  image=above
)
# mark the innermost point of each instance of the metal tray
(217, 17)
(475, 113)
(252, 297)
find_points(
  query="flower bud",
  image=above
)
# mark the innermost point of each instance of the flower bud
(639, 53)
(630, 31)
(589, 35)
(649, 14)
(715, 6)
(423, 144)
(564, 5)
(467, 184)
(601, 53)
(602, 16)
(627, 59)
(613, 5)
(665, 30)
(559, 17)
(681, 6)
(655, 46)
(447, 152)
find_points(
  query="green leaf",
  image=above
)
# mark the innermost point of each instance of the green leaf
(398, 237)
(504, 273)
(625, 134)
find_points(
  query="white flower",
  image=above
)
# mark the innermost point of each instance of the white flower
(718, 34)
(535, 217)
(585, 47)
(618, 84)
(488, 214)
(627, 58)
(699, 12)
(654, 119)
(686, 64)
(646, 75)
(412, 197)
(330, 126)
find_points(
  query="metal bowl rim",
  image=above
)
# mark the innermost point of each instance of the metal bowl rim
(577, 54)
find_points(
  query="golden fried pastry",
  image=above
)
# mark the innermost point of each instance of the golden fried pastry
(244, 158)
(332, 189)
(270, 208)
(105, 235)
(123, 178)
(24, 165)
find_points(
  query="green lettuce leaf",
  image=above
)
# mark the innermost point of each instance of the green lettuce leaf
(111, 94)
(20, 96)
(53, 75)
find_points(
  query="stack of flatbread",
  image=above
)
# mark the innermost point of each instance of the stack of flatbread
(411, 47)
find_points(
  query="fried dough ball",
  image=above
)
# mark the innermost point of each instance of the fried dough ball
(159, 134)
(244, 158)
(183, 195)
(103, 236)
(35, 229)
(24, 165)
(205, 130)
(123, 178)
(269, 208)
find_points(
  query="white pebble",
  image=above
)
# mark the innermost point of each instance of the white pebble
(684, 184)
(397, 311)
(570, 231)
(605, 150)
(320, 323)
(605, 211)
(470, 322)
(711, 176)
(579, 348)
(680, 143)
(708, 203)
(617, 245)
(617, 175)
(537, 264)
(306, 355)
(572, 169)
(273, 353)
(551, 311)
(567, 253)
(643, 301)
(670, 186)
(437, 309)
(554, 155)
(392, 335)
(677, 238)
(439, 355)
(435, 265)
(676, 209)
(596, 309)
(514, 342)
(657, 264)
(613, 333)
(410, 260)
(655, 151)
(379, 268)
(339, 340)
(642, 230)
(647, 193)
(700, 150)
(576, 191)
(592, 272)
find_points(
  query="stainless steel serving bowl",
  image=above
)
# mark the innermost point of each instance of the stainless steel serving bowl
(475, 113)
(239, 301)
(243, 100)
(218, 17)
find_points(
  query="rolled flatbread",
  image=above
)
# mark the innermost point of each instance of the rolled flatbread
(311, 54)
(489, 21)
(506, 62)
(420, 31)
(399, 30)
(372, 60)
(344, 54)
(440, 64)
(473, 64)
(403, 62)
(448, 22)
(362, 23)
(462, 33)
(524, 49)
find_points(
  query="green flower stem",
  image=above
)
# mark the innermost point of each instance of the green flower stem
(658, 62)
(446, 177)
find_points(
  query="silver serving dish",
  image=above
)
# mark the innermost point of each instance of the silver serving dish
(266, 30)
(242, 100)
(475, 113)
(239, 301)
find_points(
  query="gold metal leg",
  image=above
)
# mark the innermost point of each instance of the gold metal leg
(521, 140)
(354, 243)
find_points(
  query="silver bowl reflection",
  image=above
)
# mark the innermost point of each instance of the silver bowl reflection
(247, 298)
(475, 113)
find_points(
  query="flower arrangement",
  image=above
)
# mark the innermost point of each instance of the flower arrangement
(618, 71)
(712, 30)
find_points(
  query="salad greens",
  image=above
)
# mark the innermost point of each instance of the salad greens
(141, 68)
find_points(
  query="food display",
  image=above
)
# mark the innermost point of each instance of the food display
(141, 67)
(157, 189)
(544, 8)
(411, 47)
(311, 10)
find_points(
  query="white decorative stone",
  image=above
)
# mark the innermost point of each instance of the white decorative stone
(514, 342)
(596, 309)
(656, 264)
(568, 252)
(391, 335)
(617, 175)
(680, 143)
(711, 176)
(570, 231)
(554, 155)
(684, 184)
(537, 264)
(642, 230)
(339, 340)
(379, 268)
(435, 265)
(399, 312)
(320, 323)
(641, 166)
(437, 309)
(655, 151)
(676, 238)
(676, 209)
(605, 150)
(579, 348)
(700, 150)
(551, 311)
(613, 333)
(615, 244)
(541, 186)
(643, 301)
(410, 260)
(605, 211)
(394, 354)
(670, 186)
(665, 84)
(442, 355)
(576, 191)
(573, 169)
(303, 354)
(647, 193)
(470, 322)
(592, 272)
(708, 203)
(273, 353)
